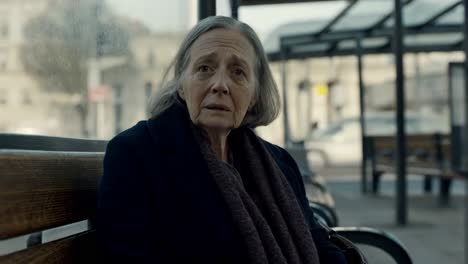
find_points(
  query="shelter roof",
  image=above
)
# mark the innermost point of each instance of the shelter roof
(430, 25)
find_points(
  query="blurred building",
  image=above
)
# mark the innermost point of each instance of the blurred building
(23, 108)
(334, 89)
(133, 82)
(126, 82)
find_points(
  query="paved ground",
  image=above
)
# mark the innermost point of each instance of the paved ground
(435, 234)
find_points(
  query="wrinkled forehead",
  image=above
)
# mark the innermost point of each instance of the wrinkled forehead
(223, 40)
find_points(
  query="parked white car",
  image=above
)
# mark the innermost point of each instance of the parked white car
(339, 144)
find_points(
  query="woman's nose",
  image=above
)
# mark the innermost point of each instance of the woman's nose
(219, 84)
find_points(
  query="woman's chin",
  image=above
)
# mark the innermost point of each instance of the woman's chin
(216, 124)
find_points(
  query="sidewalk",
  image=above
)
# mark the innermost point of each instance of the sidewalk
(434, 234)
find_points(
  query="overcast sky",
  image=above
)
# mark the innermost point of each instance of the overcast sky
(179, 15)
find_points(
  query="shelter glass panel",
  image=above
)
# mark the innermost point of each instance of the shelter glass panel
(433, 39)
(364, 14)
(288, 19)
(452, 18)
(366, 43)
(272, 41)
(420, 11)
(311, 48)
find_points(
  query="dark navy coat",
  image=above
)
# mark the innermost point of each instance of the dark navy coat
(158, 203)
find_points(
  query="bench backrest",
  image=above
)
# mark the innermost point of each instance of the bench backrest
(424, 151)
(40, 190)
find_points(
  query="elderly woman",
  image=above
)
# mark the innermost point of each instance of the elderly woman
(194, 183)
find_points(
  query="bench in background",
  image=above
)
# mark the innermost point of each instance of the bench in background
(428, 155)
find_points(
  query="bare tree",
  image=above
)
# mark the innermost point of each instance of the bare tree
(60, 42)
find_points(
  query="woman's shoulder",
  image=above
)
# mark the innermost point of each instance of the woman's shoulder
(277, 152)
(134, 136)
(285, 160)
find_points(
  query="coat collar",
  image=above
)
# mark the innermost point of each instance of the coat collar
(174, 140)
(171, 130)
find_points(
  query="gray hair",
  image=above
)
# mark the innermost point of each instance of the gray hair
(267, 105)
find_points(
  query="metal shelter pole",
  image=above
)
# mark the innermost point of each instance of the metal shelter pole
(206, 8)
(466, 198)
(309, 101)
(401, 198)
(362, 117)
(284, 62)
(299, 115)
(465, 49)
(235, 9)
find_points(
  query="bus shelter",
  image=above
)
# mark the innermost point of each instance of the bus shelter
(370, 27)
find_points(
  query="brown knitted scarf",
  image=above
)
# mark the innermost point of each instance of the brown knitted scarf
(261, 201)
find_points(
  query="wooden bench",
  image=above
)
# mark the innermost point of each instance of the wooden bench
(428, 155)
(45, 183)
(48, 183)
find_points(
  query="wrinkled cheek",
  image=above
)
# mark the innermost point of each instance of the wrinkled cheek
(238, 118)
(194, 113)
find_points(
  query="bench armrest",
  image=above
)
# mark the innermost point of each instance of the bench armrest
(324, 213)
(378, 239)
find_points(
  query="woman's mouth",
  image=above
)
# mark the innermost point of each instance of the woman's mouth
(217, 107)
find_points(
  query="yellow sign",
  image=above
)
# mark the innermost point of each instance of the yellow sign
(321, 89)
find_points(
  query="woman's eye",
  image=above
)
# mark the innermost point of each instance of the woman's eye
(238, 72)
(203, 68)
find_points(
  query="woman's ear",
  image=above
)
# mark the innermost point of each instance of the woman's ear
(181, 94)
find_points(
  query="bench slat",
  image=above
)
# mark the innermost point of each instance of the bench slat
(41, 190)
(80, 248)
(427, 154)
(46, 143)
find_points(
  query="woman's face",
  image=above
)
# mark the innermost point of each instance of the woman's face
(219, 82)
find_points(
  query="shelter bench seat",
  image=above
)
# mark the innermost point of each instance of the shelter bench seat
(49, 184)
